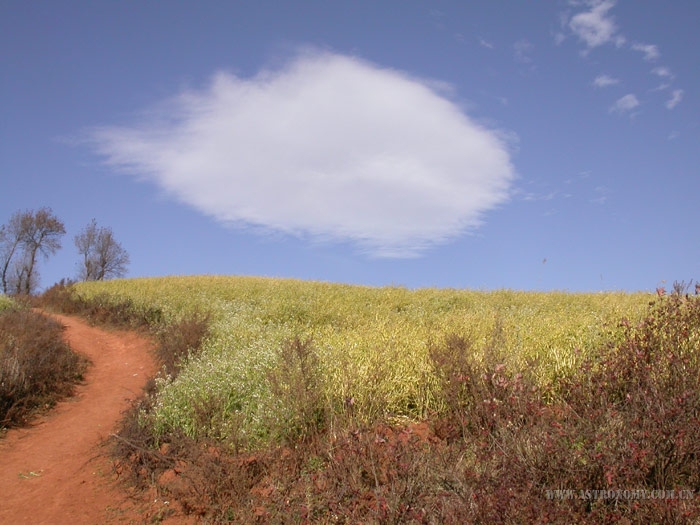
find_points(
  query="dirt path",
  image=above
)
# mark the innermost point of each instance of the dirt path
(57, 470)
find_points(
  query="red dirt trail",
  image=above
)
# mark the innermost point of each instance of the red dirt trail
(57, 470)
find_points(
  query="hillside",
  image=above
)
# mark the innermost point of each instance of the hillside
(316, 402)
(372, 343)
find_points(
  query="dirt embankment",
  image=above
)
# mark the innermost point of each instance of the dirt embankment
(57, 470)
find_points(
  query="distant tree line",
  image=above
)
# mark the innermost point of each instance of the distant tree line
(32, 235)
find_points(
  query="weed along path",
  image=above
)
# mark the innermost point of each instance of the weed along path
(57, 470)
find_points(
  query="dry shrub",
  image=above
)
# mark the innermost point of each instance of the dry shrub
(295, 385)
(373, 475)
(178, 340)
(640, 411)
(205, 480)
(628, 421)
(36, 366)
(100, 309)
(480, 393)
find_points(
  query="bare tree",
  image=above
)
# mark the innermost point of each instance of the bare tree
(103, 256)
(10, 240)
(18, 279)
(42, 233)
(27, 235)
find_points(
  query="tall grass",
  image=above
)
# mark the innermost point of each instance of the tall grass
(371, 346)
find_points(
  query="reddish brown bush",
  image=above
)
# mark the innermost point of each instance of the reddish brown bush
(628, 421)
(36, 366)
(295, 384)
(178, 340)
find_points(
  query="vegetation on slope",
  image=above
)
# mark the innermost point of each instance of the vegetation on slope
(37, 368)
(512, 407)
(371, 345)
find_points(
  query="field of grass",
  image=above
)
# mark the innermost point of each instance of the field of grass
(369, 347)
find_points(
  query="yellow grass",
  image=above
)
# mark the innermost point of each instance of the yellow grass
(372, 342)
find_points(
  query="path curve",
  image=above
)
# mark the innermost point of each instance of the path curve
(57, 470)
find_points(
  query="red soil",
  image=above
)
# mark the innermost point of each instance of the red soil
(58, 470)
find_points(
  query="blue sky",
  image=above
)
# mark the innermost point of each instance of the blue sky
(550, 145)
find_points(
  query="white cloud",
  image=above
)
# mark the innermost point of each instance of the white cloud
(625, 104)
(596, 27)
(651, 52)
(604, 81)
(329, 147)
(675, 99)
(663, 72)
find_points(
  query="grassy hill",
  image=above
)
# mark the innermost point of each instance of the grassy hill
(370, 345)
(311, 402)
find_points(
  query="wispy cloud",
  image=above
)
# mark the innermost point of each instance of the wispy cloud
(605, 81)
(663, 72)
(522, 50)
(438, 18)
(625, 104)
(602, 194)
(596, 26)
(329, 147)
(533, 196)
(661, 87)
(675, 99)
(651, 52)
(485, 43)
